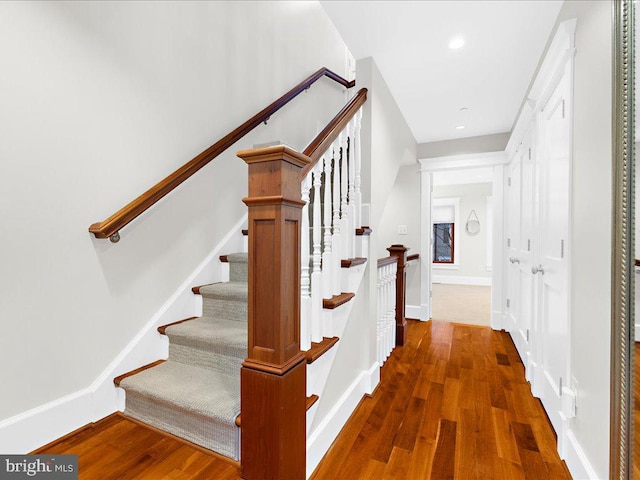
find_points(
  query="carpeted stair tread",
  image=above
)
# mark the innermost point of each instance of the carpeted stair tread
(188, 388)
(234, 291)
(207, 333)
(237, 257)
(195, 394)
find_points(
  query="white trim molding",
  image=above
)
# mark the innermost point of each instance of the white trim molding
(39, 426)
(418, 312)
(458, 162)
(455, 203)
(577, 461)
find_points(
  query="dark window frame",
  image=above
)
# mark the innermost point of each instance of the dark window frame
(436, 243)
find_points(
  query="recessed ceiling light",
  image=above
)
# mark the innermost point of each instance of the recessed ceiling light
(456, 43)
(464, 109)
(460, 127)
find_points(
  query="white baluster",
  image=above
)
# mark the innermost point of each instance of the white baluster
(388, 313)
(305, 280)
(327, 255)
(336, 240)
(379, 322)
(383, 316)
(351, 233)
(357, 221)
(394, 274)
(344, 188)
(316, 281)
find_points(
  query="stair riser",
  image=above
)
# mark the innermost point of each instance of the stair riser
(238, 272)
(227, 362)
(225, 309)
(201, 430)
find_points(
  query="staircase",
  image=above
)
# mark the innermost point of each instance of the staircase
(306, 261)
(195, 394)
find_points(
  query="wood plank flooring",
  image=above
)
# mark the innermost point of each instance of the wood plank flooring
(452, 404)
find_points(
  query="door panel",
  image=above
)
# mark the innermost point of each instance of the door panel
(552, 279)
(513, 248)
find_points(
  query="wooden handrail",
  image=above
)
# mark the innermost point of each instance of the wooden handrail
(325, 138)
(415, 256)
(110, 227)
(382, 262)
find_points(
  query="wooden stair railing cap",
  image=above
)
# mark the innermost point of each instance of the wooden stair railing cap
(111, 227)
(275, 152)
(387, 261)
(325, 138)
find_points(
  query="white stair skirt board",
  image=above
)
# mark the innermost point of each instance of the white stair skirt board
(317, 376)
(323, 436)
(30, 430)
(456, 280)
(417, 312)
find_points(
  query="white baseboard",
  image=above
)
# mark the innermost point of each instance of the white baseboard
(30, 430)
(34, 428)
(457, 280)
(372, 378)
(637, 333)
(498, 320)
(319, 441)
(576, 460)
(420, 312)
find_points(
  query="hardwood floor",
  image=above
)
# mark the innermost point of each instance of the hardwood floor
(453, 403)
(118, 448)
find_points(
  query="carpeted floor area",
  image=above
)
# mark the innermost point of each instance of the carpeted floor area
(470, 304)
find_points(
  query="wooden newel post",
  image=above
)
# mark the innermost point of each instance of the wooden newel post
(273, 377)
(400, 251)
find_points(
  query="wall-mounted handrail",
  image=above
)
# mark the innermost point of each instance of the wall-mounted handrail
(110, 227)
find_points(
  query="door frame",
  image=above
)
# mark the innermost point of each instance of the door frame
(429, 166)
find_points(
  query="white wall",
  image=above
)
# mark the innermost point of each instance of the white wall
(387, 145)
(403, 207)
(472, 250)
(100, 100)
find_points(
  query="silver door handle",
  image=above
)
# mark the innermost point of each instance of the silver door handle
(514, 260)
(538, 269)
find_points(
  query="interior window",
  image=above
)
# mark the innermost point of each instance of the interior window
(443, 243)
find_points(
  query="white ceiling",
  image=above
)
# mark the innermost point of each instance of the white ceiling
(490, 74)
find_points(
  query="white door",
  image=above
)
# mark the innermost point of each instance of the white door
(513, 248)
(524, 256)
(551, 269)
(521, 242)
